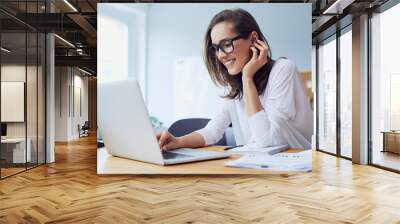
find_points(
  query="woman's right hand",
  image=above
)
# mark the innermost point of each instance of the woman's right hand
(167, 141)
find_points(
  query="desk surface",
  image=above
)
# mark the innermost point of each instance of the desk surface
(107, 164)
(13, 140)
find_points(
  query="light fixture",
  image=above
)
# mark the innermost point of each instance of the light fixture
(70, 5)
(5, 50)
(337, 7)
(84, 71)
(64, 40)
(79, 51)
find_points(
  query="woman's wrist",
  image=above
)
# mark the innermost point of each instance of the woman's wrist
(180, 142)
(247, 80)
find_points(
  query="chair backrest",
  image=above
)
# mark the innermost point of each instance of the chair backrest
(86, 125)
(230, 138)
(185, 126)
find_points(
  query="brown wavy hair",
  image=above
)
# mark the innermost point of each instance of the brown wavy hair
(243, 23)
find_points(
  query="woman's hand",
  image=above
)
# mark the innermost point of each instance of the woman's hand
(167, 141)
(257, 60)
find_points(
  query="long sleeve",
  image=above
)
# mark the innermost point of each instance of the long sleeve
(215, 129)
(275, 124)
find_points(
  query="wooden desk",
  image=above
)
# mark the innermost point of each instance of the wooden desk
(107, 164)
(391, 141)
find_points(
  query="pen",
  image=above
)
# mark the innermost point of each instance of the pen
(231, 147)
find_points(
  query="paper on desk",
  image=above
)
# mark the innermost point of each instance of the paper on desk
(301, 161)
(247, 149)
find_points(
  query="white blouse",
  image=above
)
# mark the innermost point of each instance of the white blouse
(287, 117)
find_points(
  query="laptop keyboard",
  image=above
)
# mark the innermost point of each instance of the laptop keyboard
(172, 155)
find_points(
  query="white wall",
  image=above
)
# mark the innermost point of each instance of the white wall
(79, 117)
(61, 103)
(15, 72)
(67, 117)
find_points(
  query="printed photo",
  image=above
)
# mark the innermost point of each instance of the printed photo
(204, 88)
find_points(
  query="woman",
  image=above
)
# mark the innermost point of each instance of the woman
(266, 101)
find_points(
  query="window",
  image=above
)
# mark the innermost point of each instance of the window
(346, 92)
(335, 74)
(125, 27)
(385, 89)
(327, 95)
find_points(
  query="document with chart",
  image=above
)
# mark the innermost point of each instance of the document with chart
(301, 161)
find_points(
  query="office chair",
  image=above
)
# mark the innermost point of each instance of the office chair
(84, 130)
(186, 126)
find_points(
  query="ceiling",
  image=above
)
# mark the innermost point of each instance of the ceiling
(76, 22)
(77, 25)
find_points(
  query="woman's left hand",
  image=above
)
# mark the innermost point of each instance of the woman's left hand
(257, 60)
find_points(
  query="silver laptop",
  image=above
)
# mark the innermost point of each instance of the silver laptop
(127, 131)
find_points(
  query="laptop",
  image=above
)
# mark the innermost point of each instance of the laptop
(127, 131)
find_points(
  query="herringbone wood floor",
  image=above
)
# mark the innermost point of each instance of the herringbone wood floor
(70, 191)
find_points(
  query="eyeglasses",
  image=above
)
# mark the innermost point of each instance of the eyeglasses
(226, 45)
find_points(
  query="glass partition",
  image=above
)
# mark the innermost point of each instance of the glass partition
(31, 100)
(41, 91)
(32, 85)
(13, 110)
(327, 95)
(22, 77)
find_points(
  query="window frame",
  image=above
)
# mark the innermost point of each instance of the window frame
(379, 10)
(346, 21)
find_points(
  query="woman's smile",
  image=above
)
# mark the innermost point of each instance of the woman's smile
(237, 53)
(229, 62)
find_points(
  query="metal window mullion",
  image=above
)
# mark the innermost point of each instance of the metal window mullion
(369, 89)
(45, 87)
(317, 96)
(73, 92)
(69, 93)
(45, 95)
(37, 91)
(60, 90)
(338, 82)
(80, 103)
(26, 87)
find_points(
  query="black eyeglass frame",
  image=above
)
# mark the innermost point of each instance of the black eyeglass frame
(214, 48)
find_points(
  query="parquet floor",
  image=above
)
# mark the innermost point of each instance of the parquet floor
(70, 191)
(387, 159)
(10, 171)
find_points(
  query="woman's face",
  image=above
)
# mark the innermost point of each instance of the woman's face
(236, 60)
